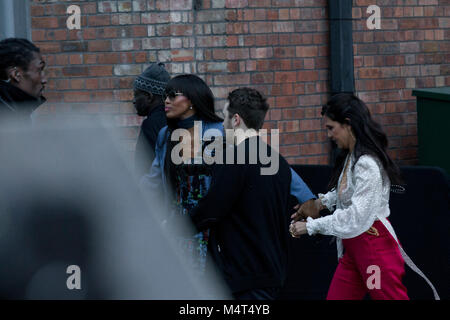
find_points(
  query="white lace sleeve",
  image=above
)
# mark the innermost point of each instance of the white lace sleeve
(328, 199)
(365, 201)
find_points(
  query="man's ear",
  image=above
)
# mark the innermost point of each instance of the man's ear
(14, 74)
(236, 120)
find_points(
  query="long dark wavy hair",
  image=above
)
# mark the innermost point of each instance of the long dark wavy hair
(346, 108)
(202, 99)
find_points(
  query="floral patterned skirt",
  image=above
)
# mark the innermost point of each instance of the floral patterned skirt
(193, 182)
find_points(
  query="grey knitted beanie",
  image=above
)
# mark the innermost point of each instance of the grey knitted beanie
(153, 79)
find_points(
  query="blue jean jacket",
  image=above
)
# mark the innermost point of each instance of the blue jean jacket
(156, 179)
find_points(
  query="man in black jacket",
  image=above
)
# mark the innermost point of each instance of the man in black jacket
(22, 79)
(246, 210)
(148, 101)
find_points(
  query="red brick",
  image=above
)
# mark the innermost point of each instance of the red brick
(90, 58)
(37, 10)
(100, 71)
(309, 125)
(108, 58)
(283, 26)
(311, 149)
(99, 20)
(237, 28)
(125, 44)
(231, 54)
(285, 77)
(182, 55)
(292, 150)
(139, 31)
(284, 52)
(92, 83)
(77, 96)
(75, 59)
(261, 53)
(418, 23)
(307, 51)
(307, 76)
(88, 33)
(293, 138)
(44, 22)
(99, 45)
(57, 35)
(258, 78)
(75, 71)
(38, 35)
(56, 9)
(108, 32)
(281, 89)
(77, 84)
(63, 84)
(274, 114)
(89, 8)
(286, 102)
(174, 30)
(155, 17)
(211, 41)
(260, 27)
(236, 79)
(236, 3)
(140, 57)
(263, 40)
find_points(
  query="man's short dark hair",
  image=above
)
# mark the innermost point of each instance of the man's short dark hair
(250, 105)
(15, 52)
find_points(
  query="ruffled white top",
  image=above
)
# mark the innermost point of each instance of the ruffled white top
(359, 201)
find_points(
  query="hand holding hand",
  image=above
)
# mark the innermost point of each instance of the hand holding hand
(297, 229)
(310, 208)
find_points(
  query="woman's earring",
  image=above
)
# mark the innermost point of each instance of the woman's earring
(352, 135)
(190, 108)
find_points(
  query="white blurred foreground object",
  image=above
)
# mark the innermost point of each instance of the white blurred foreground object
(68, 198)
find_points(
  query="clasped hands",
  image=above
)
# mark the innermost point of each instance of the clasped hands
(310, 208)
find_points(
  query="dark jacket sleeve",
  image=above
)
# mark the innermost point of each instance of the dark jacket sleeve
(151, 127)
(226, 186)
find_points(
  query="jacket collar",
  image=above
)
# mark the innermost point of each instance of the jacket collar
(18, 100)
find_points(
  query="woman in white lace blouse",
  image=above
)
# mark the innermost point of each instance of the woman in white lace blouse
(372, 262)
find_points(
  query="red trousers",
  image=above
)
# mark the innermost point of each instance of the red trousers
(372, 263)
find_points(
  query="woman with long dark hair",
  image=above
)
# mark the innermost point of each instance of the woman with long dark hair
(182, 175)
(362, 179)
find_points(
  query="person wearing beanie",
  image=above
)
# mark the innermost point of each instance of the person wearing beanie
(148, 102)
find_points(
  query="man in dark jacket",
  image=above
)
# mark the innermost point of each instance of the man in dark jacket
(148, 101)
(246, 210)
(22, 79)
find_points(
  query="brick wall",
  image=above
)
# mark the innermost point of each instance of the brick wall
(277, 46)
(411, 50)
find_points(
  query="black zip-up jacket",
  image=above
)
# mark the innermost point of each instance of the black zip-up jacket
(16, 103)
(145, 145)
(247, 214)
